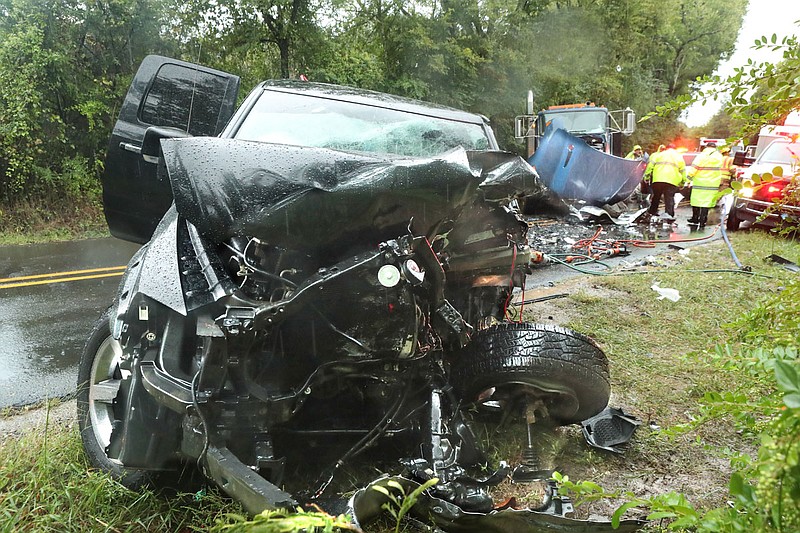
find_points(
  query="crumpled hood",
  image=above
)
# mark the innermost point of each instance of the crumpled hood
(312, 197)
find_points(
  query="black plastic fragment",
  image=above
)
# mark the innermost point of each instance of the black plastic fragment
(788, 265)
(609, 428)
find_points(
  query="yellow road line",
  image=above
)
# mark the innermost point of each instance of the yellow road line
(56, 274)
(57, 280)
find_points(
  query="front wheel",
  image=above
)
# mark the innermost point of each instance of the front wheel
(732, 223)
(99, 381)
(507, 365)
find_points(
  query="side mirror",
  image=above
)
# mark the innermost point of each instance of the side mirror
(743, 159)
(628, 121)
(151, 144)
(524, 126)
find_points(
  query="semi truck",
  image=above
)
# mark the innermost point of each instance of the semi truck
(598, 127)
(577, 150)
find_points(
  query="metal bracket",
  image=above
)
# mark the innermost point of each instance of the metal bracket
(244, 485)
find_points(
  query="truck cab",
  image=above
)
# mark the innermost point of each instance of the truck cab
(577, 151)
(171, 99)
(586, 121)
(598, 127)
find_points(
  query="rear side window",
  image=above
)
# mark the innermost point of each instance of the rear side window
(186, 99)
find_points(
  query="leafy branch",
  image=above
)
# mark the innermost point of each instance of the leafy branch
(400, 502)
(283, 521)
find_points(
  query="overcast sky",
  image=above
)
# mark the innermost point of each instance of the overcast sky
(764, 17)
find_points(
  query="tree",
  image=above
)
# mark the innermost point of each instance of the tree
(271, 30)
(757, 93)
(61, 76)
(65, 65)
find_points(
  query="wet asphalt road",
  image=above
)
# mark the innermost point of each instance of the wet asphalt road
(44, 322)
(44, 319)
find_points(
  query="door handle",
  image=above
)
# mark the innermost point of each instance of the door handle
(128, 147)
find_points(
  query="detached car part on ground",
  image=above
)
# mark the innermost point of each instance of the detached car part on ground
(333, 274)
(769, 194)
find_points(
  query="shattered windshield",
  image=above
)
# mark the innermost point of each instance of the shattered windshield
(304, 120)
(583, 121)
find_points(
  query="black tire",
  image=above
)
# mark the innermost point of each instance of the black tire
(510, 362)
(98, 377)
(732, 222)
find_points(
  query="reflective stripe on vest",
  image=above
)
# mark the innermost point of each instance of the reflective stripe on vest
(665, 163)
(668, 167)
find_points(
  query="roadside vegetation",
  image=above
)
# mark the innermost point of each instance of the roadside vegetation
(20, 228)
(713, 377)
(65, 68)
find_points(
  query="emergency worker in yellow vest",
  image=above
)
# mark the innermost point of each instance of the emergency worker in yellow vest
(666, 172)
(706, 172)
(643, 191)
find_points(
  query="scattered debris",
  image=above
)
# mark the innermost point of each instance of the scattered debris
(594, 213)
(545, 298)
(610, 428)
(555, 515)
(788, 265)
(670, 294)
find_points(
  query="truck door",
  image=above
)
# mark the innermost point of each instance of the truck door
(185, 98)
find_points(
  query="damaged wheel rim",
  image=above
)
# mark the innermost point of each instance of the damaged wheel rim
(106, 378)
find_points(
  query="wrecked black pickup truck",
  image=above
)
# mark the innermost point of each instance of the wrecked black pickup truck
(327, 271)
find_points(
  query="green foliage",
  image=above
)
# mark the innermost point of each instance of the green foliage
(283, 521)
(756, 94)
(773, 323)
(62, 73)
(47, 485)
(65, 66)
(400, 502)
(765, 491)
(770, 501)
(581, 491)
(731, 399)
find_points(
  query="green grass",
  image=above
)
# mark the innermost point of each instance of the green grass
(29, 223)
(53, 235)
(47, 485)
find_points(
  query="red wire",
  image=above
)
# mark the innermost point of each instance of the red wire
(593, 244)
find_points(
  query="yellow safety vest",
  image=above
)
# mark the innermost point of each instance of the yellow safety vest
(666, 167)
(707, 171)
